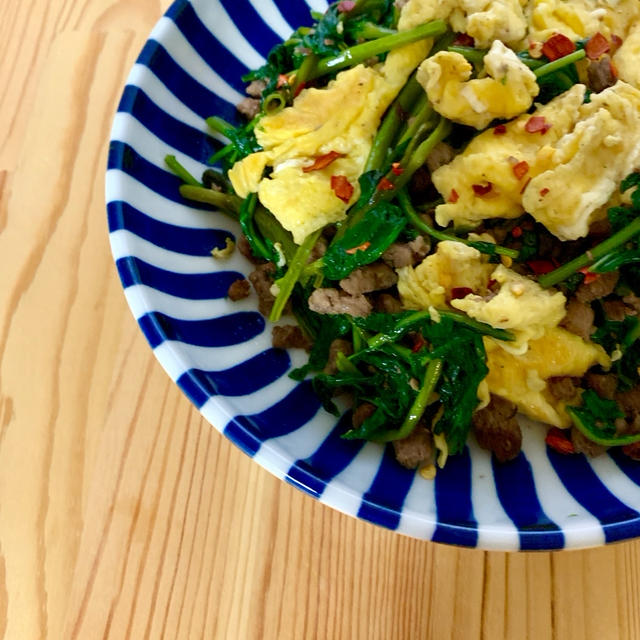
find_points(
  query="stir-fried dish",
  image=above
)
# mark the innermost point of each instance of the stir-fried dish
(443, 198)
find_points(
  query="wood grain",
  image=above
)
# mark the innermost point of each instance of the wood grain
(123, 515)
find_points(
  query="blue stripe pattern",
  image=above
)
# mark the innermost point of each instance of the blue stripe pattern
(618, 520)
(242, 379)
(185, 240)
(456, 522)
(256, 375)
(226, 331)
(517, 493)
(289, 414)
(332, 457)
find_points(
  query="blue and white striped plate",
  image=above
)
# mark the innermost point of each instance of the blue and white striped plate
(219, 352)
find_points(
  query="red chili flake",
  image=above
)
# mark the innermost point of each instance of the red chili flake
(596, 46)
(397, 169)
(558, 440)
(453, 196)
(492, 283)
(460, 292)
(525, 185)
(516, 232)
(385, 185)
(543, 192)
(346, 5)
(589, 276)
(537, 124)
(361, 247)
(299, 88)
(282, 80)
(499, 130)
(482, 189)
(520, 169)
(540, 266)
(342, 187)
(321, 162)
(418, 342)
(616, 43)
(558, 46)
(464, 40)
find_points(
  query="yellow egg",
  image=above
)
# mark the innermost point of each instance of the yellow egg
(521, 306)
(507, 91)
(489, 158)
(343, 117)
(589, 163)
(627, 56)
(453, 265)
(522, 378)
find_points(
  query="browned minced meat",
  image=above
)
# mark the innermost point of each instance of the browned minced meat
(290, 336)
(319, 249)
(386, 303)
(600, 228)
(361, 413)
(579, 318)
(372, 277)
(602, 286)
(497, 429)
(600, 74)
(617, 310)
(633, 301)
(249, 108)
(604, 384)
(406, 254)
(255, 88)
(239, 289)
(632, 450)
(629, 401)
(245, 249)
(339, 345)
(262, 279)
(441, 154)
(582, 444)
(563, 387)
(415, 449)
(334, 301)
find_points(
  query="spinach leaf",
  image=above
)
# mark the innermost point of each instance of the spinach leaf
(365, 241)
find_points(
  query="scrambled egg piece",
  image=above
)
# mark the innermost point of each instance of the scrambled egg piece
(508, 90)
(522, 378)
(453, 265)
(580, 18)
(627, 56)
(589, 164)
(490, 158)
(521, 305)
(343, 117)
(483, 20)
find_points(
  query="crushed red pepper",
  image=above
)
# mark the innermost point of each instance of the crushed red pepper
(540, 267)
(361, 247)
(596, 46)
(559, 441)
(464, 40)
(482, 189)
(516, 232)
(543, 192)
(589, 276)
(453, 196)
(321, 162)
(385, 185)
(520, 170)
(397, 169)
(460, 292)
(499, 130)
(537, 124)
(558, 46)
(342, 187)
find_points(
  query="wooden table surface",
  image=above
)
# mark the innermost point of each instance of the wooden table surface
(124, 515)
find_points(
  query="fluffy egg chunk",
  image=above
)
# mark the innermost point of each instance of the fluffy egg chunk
(507, 91)
(627, 56)
(341, 118)
(522, 378)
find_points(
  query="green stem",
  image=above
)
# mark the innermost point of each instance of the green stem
(288, 281)
(550, 67)
(599, 251)
(371, 31)
(419, 223)
(361, 52)
(392, 123)
(304, 72)
(418, 316)
(615, 441)
(228, 203)
(271, 228)
(431, 377)
(419, 120)
(181, 172)
(219, 125)
(469, 53)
